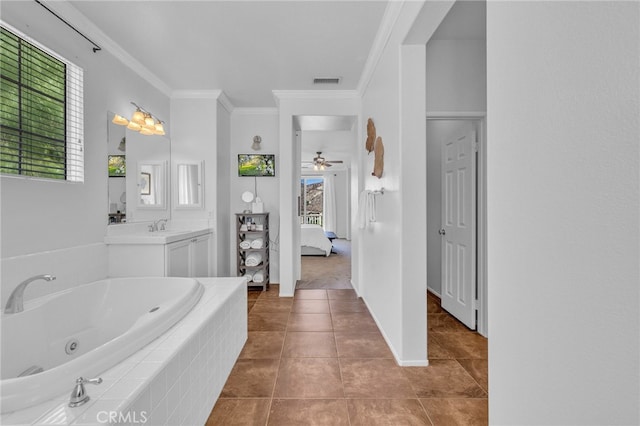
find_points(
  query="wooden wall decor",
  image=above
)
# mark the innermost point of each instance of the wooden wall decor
(371, 135)
(378, 162)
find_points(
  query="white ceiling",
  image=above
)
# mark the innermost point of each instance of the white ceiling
(250, 48)
(245, 48)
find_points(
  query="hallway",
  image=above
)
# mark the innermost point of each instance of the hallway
(319, 359)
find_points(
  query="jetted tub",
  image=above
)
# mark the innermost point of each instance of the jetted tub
(84, 331)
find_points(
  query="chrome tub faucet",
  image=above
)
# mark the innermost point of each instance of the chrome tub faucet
(15, 303)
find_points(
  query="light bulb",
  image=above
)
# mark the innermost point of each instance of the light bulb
(146, 131)
(138, 117)
(134, 126)
(149, 121)
(159, 129)
(119, 120)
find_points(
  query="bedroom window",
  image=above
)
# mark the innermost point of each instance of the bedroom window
(312, 199)
(41, 111)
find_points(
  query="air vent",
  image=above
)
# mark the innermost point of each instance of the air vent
(326, 80)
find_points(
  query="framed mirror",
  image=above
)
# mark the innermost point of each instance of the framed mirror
(189, 186)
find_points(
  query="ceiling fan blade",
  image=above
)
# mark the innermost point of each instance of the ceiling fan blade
(335, 161)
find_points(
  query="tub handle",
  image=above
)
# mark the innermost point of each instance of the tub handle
(79, 394)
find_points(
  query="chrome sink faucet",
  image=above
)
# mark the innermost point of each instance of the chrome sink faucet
(15, 303)
(158, 225)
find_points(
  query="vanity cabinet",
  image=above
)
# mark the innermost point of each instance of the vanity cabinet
(249, 228)
(156, 256)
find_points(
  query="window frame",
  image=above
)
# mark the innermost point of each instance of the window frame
(73, 107)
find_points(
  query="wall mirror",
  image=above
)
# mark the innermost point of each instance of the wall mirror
(189, 184)
(151, 187)
(128, 194)
(116, 164)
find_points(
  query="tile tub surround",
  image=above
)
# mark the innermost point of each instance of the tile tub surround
(176, 379)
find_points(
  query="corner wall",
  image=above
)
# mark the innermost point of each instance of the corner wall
(245, 124)
(563, 212)
(394, 247)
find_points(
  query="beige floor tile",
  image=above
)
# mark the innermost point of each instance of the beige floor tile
(309, 412)
(387, 412)
(263, 345)
(457, 411)
(374, 378)
(309, 344)
(309, 378)
(239, 412)
(443, 378)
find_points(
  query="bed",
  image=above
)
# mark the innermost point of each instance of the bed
(313, 241)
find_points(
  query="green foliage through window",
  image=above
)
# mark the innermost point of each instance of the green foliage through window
(33, 110)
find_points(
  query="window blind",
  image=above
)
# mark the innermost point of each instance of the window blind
(41, 111)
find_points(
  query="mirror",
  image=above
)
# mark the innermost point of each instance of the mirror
(116, 190)
(143, 193)
(189, 185)
(151, 185)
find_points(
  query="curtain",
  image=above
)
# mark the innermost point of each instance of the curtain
(329, 204)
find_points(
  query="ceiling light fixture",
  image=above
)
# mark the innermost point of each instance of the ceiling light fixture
(141, 121)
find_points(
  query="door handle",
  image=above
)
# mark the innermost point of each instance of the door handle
(442, 231)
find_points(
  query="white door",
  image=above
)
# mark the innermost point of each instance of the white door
(459, 226)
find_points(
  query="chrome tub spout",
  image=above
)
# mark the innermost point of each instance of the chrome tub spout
(15, 303)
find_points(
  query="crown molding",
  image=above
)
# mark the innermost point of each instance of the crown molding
(79, 20)
(196, 94)
(255, 111)
(226, 102)
(279, 95)
(218, 95)
(391, 14)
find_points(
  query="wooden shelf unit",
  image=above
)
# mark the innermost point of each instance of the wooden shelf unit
(242, 269)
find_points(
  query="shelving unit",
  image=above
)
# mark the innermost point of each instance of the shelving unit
(250, 227)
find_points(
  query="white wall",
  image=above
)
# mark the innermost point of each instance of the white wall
(393, 248)
(456, 75)
(563, 219)
(58, 227)
(245, 124)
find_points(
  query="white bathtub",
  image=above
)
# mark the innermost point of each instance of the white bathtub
(109, 319)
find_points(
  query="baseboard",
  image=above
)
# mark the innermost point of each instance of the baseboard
(435, 293)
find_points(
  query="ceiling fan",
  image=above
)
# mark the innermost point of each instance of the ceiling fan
(320, 163)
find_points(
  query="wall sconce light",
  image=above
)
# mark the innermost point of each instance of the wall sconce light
(141, 121)
(256, 143)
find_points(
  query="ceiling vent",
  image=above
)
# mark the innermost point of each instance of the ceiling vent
(326, 80)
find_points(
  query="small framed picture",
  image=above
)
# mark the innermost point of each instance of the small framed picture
(117, 166)
(145, 183)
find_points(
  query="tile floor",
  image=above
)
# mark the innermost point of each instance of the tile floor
(319, 359)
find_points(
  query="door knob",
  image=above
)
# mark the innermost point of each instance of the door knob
(442, 231)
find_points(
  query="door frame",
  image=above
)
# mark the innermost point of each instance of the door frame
(482, 325)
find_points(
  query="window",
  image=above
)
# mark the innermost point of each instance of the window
(41, 111)
(312, 199)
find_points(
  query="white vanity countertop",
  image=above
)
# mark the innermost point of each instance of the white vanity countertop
(156, 237)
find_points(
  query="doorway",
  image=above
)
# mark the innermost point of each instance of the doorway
(463, 296)
(326, 145)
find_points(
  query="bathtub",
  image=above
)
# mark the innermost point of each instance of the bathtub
(85, 331)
